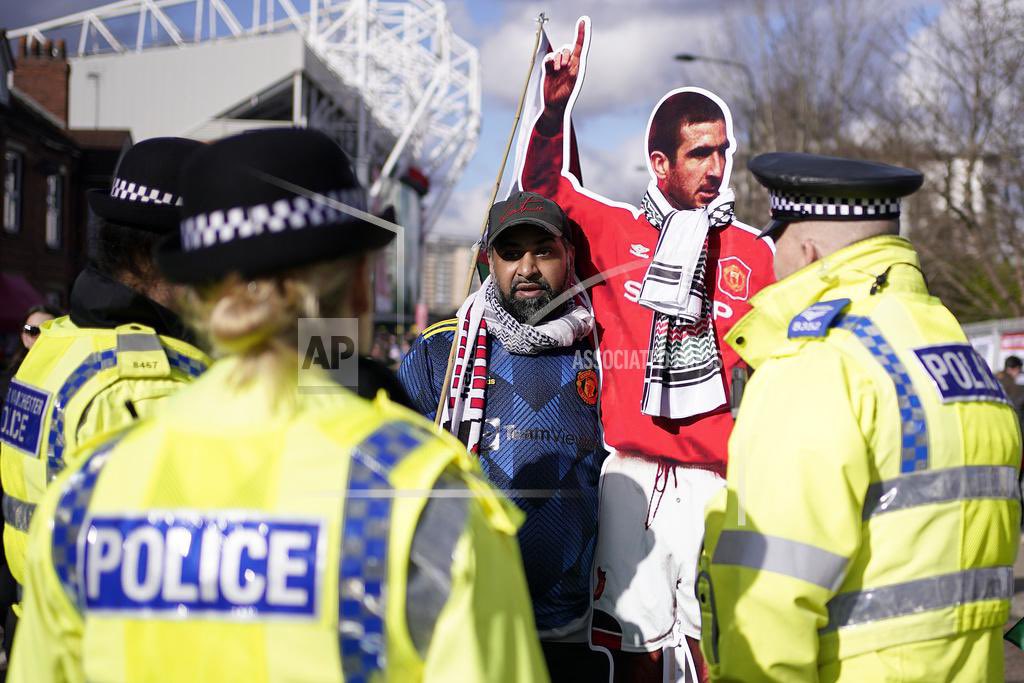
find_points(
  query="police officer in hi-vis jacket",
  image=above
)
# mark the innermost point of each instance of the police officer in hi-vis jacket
(118, 354)
(870, 523)
(256, 531)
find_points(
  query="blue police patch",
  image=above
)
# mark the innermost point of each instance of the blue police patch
(180, 565)
(816, 320)
(960, 374)
(21, 422)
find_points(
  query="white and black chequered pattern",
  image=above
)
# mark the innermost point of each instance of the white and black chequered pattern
(221, 227)
(793, 205)
(134, 192)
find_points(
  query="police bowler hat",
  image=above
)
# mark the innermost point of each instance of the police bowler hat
(144, 193)
(265, 201)
(824, 188)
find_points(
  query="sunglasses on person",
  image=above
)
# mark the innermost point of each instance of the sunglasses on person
(30, 330)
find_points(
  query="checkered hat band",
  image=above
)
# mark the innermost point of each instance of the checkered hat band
(797, 206)
(134, 192)
(221, 227)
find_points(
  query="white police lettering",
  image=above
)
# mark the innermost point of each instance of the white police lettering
(959, 373)
(209, 561)
(282, 546)
(633, 289)
(178, 543)
(146, 588)
(105, 546)
(183, 564)
(22, 415)
(239, 588)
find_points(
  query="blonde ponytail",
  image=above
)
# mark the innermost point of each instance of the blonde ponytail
(256, 320)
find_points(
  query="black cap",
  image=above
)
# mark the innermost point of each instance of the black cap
(265, 201)
(529, 208)
(144, 193)
(824, 188)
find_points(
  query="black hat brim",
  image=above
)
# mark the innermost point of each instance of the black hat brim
(267, 254)
(773, 226)
(155, 218)
(542, 224)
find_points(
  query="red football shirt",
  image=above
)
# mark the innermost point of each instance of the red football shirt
(612, 256)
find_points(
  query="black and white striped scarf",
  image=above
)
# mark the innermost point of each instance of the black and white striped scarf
(683, 374)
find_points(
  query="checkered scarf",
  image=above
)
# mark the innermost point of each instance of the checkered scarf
(683, 375)
(463, 411)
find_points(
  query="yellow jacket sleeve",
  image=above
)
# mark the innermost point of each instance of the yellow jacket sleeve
(486, 632)
(48, 641)
(780, 536)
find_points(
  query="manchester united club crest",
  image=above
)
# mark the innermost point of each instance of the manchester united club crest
(734, 278)
(586, 386)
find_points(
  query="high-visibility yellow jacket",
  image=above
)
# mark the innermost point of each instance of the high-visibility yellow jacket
(76, 384)
(870, 522)
(255, 533)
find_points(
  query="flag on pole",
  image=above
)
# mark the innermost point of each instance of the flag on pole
(533, 105)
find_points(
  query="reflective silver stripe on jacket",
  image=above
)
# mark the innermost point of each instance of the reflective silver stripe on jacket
(429, 583)
(18, 513)
(940, 486)
(922, 595)
(138, 341)
(781, 556)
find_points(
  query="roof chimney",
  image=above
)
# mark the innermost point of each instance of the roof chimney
(41, 71)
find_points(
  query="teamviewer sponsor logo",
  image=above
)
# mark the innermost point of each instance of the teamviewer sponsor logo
(328, 354)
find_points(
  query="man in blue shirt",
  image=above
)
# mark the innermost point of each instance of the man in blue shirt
(523, 397)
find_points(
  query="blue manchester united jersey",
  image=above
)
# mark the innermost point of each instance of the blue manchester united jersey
(541, 443)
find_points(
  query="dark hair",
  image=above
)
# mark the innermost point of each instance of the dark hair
(676, 111)
(116, 249)
(1012, 362)
(44, 308)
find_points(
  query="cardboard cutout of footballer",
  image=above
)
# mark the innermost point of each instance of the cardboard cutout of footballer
(668, 278)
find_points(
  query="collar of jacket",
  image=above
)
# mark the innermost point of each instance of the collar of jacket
(845, 274)
(98, 300)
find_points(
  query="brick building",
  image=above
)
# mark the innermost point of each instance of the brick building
(44, 172)
(446, 262)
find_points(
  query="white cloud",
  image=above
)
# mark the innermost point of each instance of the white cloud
(617, 172)
(631, 55)
(462, 21)
(464, 213)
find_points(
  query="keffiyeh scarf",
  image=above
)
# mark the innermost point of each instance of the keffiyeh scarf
(482, 313)
(683, 374)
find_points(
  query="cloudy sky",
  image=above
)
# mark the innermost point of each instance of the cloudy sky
(631, 66)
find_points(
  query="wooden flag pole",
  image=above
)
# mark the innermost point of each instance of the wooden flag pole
(541, 20)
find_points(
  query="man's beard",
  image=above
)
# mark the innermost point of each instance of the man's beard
(526, 310)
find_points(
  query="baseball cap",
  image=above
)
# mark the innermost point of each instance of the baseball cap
(526, 208)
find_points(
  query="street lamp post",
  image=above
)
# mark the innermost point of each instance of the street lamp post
(747, 73)
(95, 78)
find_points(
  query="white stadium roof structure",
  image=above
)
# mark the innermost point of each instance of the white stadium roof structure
(389, 80)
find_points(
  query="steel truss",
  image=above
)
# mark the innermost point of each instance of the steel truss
(414, 75)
